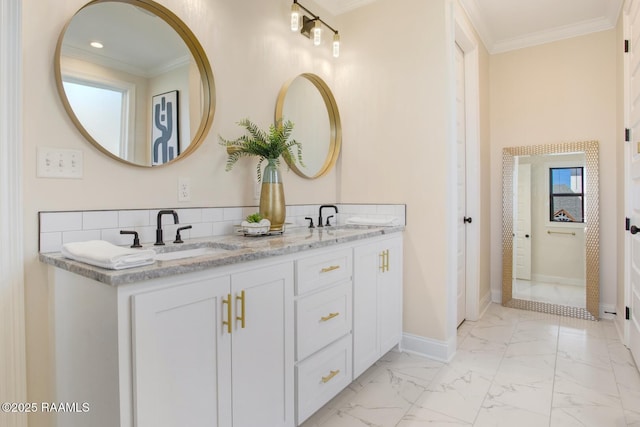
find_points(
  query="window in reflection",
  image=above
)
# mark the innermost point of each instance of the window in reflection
(101, 110)
(566, 199)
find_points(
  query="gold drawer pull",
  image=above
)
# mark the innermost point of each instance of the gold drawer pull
(329, 317)
(328, 269)
(330, 376)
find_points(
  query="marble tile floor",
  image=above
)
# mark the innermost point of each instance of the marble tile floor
(553, 293)
(512, 368)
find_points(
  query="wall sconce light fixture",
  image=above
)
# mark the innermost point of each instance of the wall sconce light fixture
(311, 27)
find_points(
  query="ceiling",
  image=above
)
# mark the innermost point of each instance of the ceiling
(505, 25)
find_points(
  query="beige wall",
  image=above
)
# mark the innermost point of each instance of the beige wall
(252, 53)
(559, 92)
(394, 87)
(396, 83)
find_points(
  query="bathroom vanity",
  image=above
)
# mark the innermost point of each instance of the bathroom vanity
(262, 331)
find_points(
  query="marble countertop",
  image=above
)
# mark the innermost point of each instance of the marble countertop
(237, 249)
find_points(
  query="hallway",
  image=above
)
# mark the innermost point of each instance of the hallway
(513, 367)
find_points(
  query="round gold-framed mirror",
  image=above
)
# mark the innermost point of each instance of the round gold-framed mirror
(307, 101)
(135, 81)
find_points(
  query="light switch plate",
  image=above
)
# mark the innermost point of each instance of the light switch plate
(59, 163)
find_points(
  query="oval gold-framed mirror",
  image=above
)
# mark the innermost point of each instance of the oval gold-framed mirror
(307, 101)
(135, 81)
(558, 239)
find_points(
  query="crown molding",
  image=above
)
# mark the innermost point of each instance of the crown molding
(552, 35)
(606, 22)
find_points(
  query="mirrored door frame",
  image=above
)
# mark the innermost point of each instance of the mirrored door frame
(592, 229)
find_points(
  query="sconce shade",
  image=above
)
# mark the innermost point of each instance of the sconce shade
(336, 45)
(317, 33)
(295, 17)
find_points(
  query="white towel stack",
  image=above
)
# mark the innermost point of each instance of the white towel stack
(373, 221)
(107, 255)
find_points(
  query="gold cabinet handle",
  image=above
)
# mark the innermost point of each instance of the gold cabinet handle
(386, 259)
(241, 318)
(229, 315)
(329, 317)
(330, 376)
(328, 269)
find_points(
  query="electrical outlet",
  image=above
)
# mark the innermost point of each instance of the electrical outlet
(184, 189)
(59, 163)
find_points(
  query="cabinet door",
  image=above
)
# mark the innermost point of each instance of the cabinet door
(366, 263)
(377, 296)
(182, 356)
(263, 348)
(390, 295)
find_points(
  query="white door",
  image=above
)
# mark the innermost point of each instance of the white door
(633, 180)
(262, 347)
(523, 223)
(462, 184)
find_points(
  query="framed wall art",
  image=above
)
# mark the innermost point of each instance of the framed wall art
(165, 135)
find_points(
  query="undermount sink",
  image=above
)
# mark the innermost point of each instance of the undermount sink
(192, 252)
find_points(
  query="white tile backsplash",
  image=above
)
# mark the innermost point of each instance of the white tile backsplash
(95, 220)
(57, 228)
(233, 214)
(133, 218)
(60, 221)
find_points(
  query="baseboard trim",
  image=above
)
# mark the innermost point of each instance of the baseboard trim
(442, 351)
(610, 309)
(485, 302)
(496, 296)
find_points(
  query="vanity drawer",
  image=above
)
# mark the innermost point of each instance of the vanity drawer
(322, 318)
(322, 376)
(322, 269)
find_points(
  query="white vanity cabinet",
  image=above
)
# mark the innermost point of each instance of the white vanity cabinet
(259, 342)
(377, 295)
(216, 352)
(214, 349)
(323, 328)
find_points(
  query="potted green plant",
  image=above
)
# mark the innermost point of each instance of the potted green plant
(270, 146)
(255, 224)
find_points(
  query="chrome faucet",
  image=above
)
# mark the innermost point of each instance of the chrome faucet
(320, 214)
(159, 241)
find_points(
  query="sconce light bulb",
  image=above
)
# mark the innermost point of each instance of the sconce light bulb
(295, 17)
(336, 45)
(317, 33)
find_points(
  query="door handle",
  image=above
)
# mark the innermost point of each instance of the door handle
(633, 229)
(526, 235)
(467, 220)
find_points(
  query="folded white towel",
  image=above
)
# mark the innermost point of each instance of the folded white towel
(373, 221)
(107, 255)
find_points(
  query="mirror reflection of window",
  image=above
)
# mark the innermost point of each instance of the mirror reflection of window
(101, 110)
(566, 194)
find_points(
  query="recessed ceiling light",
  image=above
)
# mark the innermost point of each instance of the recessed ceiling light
(97, 45)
